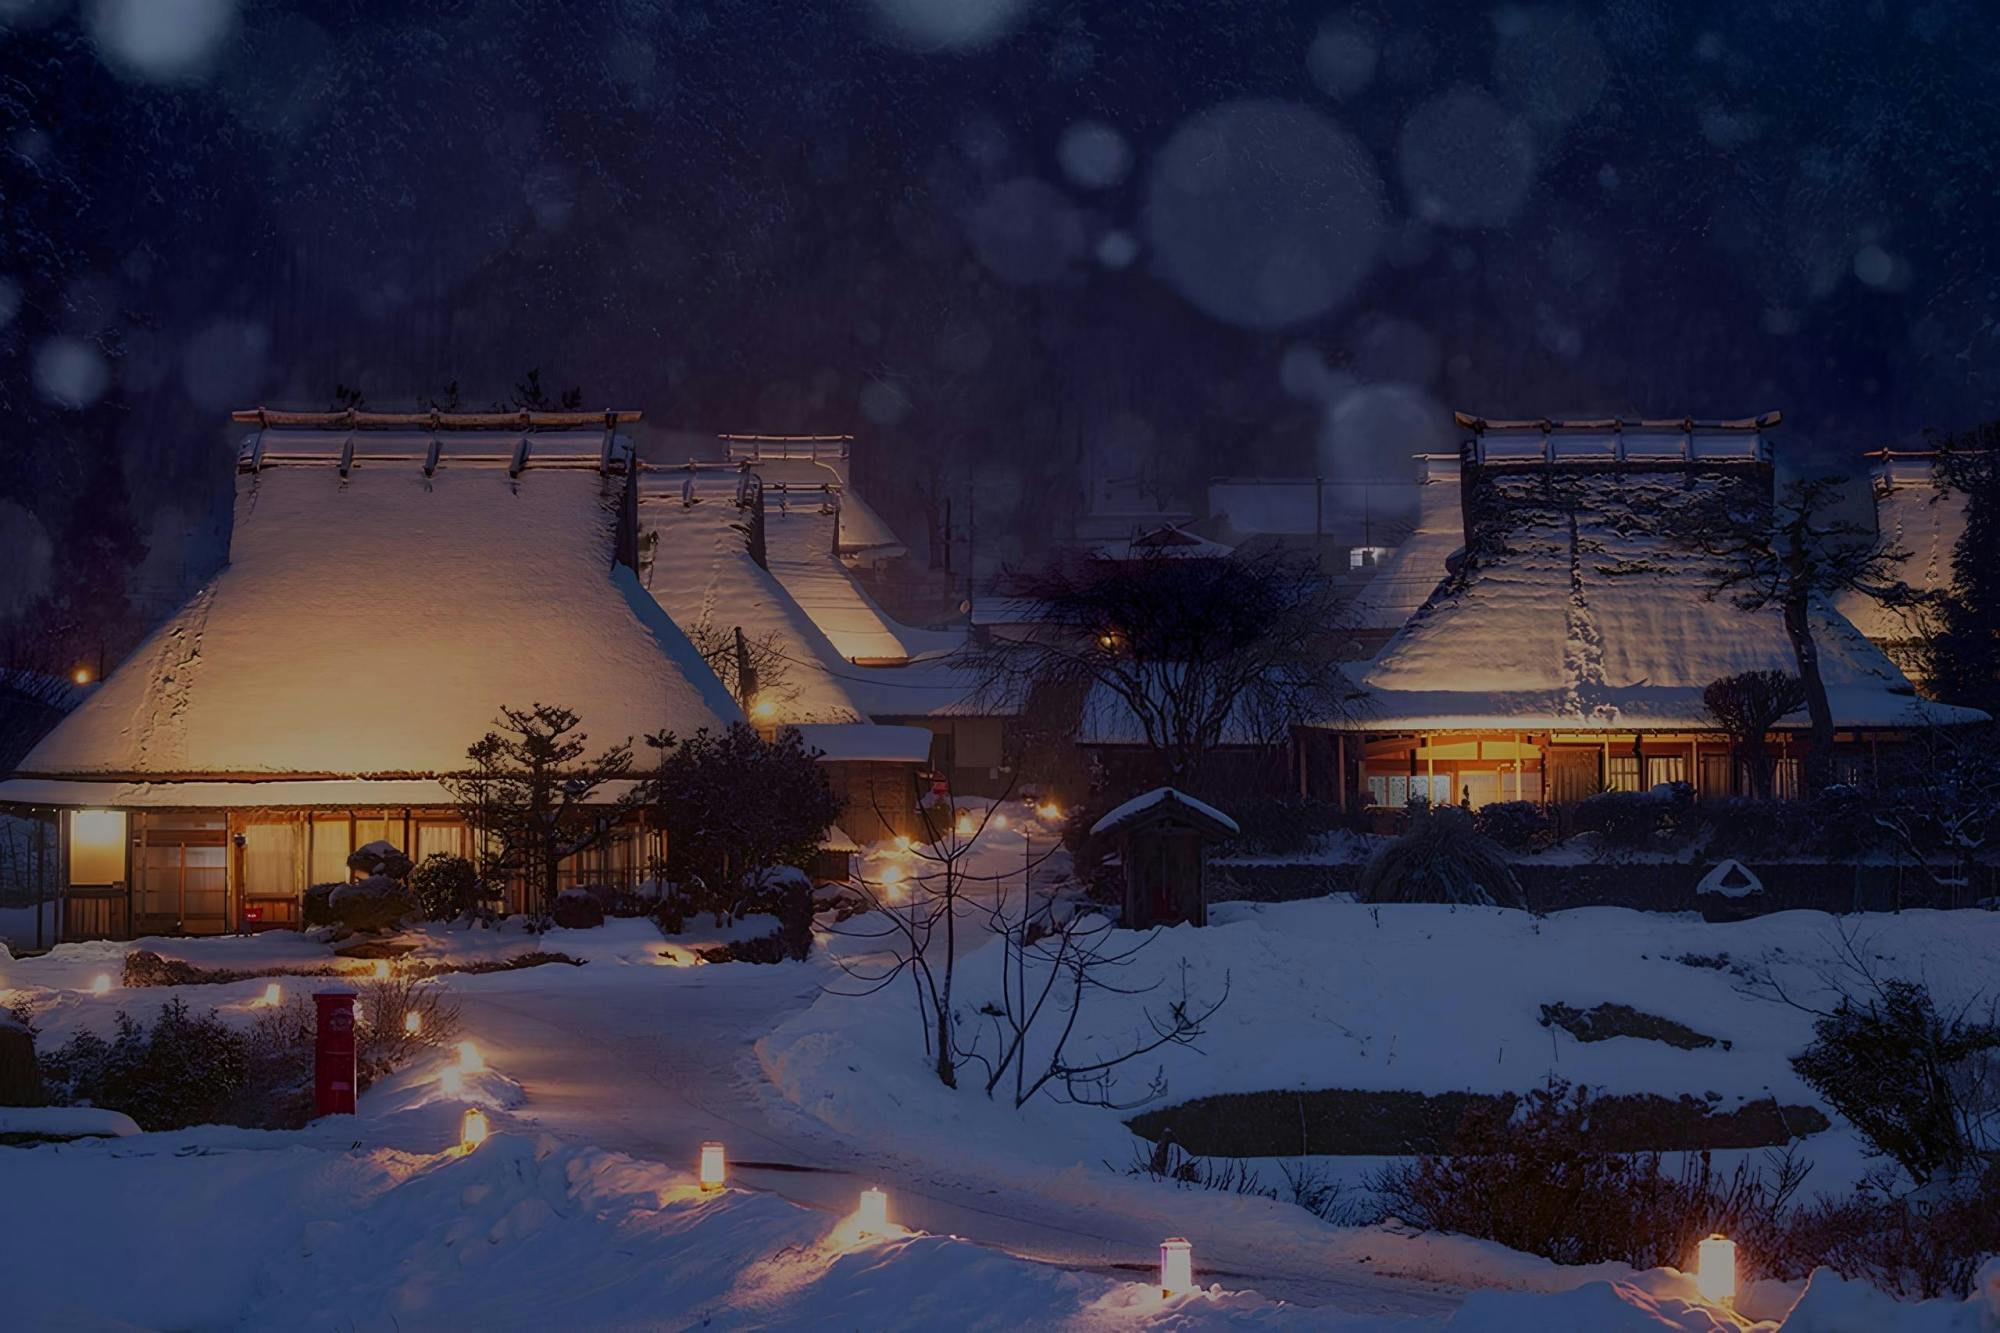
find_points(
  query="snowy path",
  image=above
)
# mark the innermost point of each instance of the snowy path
(655, 1060)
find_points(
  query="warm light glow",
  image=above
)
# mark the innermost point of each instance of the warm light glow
(381, 969)
(998, 821)
(892, 878)
(101, 984)
(451, 1081)
(97, 847)
(902, 842)
(872, 1217)
(1176, 1267)
(469, 1058)
(413, 1022)
(1049, 810)
(713, 1169)
(273, 993)
(763, 709)
(1715, 1270)
(1105, 640)
(475, 1131)
(965, 826)
(81, 675)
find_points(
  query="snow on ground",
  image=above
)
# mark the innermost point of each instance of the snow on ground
(604, 1080)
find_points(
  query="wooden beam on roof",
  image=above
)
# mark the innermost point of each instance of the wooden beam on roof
(433, 420)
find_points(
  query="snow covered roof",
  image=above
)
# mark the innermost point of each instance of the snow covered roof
(1578, 606)
(1406, 580)
(1166, 801)
(1915, 513)
(701, 573)
(387, 591)
(1166, 539)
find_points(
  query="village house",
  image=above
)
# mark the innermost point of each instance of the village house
(1566, 650)
(392, 581)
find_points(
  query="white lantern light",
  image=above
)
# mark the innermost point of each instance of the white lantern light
(1715, 1269)
(1176, 1267)
(272, 994)
(964, 826)
(1049, 810)
(999, 821)
(451, 1081)
(469, 1058)
(413, 1022)
(713, 1168)
(101, 984)
(873, 1214)
(903, 842)
(381, 969)
(474, 1131)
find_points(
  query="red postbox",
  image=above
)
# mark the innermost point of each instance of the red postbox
(333, 1053)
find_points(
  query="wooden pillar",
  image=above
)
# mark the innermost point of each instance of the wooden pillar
(1430, 768)
(1340, 771)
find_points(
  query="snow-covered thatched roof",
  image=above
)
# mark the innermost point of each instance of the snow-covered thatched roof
(695, 563)
(1579, 604)
(1915, 514)
(1409, 576)
(387, 591)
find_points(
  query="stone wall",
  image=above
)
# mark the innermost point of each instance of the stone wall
(1649, 886)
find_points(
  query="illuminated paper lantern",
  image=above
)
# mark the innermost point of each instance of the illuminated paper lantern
(1715, 1269)
(469, 1058)
(1049, 810)
(474, 1131)
(381, 969)
(873, 1214)
(999, 821)
(272, 994)
(1176, 1267)
(101, 984)
(413, 1022)
(713, 1167)
(451, 1081)
(964, 826)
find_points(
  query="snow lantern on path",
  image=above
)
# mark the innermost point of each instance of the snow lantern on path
(713, 1165)
(1715, 1269)
(1176, 1267)
(474, 1130)
(872, 1217)
(1162, 839)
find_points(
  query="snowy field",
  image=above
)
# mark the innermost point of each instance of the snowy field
(606, 1078)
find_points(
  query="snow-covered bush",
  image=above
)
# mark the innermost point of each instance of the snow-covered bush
(1518, 826)
(380, 858)
(444, 886)
(1536, 1182)
(1917, 1247)
(182, 1071)
(578, 909)
(1440, 858)
(375, 903)
(1922, 1087)
(278, 1092)
(1283, 825)
(1629, 820)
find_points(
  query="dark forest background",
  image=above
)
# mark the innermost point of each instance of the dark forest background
(1031, 241)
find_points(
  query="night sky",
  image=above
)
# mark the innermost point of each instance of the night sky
(1025, 238)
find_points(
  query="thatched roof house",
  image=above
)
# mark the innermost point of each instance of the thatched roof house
(1567, 649)
(392, 581)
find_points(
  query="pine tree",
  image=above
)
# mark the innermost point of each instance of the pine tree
(1961, 655)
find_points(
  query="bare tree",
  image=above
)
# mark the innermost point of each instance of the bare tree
(1197, 650)
(1946, 811)
(1053, 959)
(1792, 554)
(1746, 706)
(750, 666)
(533, 799)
